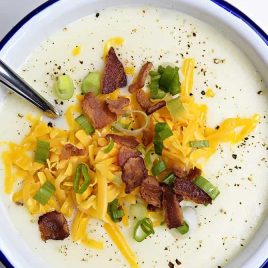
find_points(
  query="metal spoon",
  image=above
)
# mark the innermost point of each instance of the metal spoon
(13, 81)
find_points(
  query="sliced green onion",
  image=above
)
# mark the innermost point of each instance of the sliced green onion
(169, 179)
(174, 87)
(133, 132)
(115, 211)
(153, 73)
(184, 228)
(118, 178)
(82, 169)
(207, 187)
(162, 131)
(82, 121)
(91, 83)
(169, 80)
(41, 152)
(165, 133)
(109, 147)
(44, 193)
(143, 229)
(158, 147)
(138, 211)
(159, 167)
(161, 69)
(64, 87)
(148, 159)
(175, 108)
(155, 91)
(167, 77)
(141, 149)
(157, 94)
(199, 144)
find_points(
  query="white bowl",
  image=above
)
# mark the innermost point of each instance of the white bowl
(55, 14)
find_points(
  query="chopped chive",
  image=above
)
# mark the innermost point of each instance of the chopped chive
(184, 228)
(148, 160)
(109, 147)
(91, 83)
(207, 187)
(44, 193)
(41, 152)
(199, 144)
(162, 131)
(115, 211)
(84, 124)
(169, 179)
(143, 229)
(175, 108)
(159, 167)
(82, 169)
(64, 87)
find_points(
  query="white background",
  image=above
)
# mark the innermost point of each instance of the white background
(11, 11)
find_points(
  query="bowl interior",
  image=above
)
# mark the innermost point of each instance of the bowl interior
(61, 13)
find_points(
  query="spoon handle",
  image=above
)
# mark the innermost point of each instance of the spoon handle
(13, 81)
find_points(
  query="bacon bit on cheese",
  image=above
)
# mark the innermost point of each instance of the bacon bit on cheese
(117, 106)
(97, 111)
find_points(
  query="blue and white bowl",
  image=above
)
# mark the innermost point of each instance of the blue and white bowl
(55, 14)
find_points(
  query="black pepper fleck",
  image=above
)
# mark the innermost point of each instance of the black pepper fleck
(97, 14)
(171, 265)
(234, 156)
(178, 262)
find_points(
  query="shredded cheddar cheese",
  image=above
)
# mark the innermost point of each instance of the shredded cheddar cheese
(19, 163)
(209, 93)
(130, 70)
(76, 51)
(114, 41)
(113, 231)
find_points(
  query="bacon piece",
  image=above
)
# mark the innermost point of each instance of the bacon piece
(133, 173)
(97, 111)
(143, 73)
(148, 133)
(179, 172)
(152, 208)
(190, 191)
(123, 140)
(53, 225)
(117, 106)
(114, 74)
(155, 107)
(151, 191)
(187, 175)
(125, 153)
(172, 209)
(70, 150)
(193, 173)
(146, 104)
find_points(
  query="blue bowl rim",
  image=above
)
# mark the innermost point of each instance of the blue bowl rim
(221, 3)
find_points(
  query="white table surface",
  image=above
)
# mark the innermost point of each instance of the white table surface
(11, 11)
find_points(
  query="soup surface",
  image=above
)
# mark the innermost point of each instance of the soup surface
(240, 172)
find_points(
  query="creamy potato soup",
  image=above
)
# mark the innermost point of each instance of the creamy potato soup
(218, 232)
